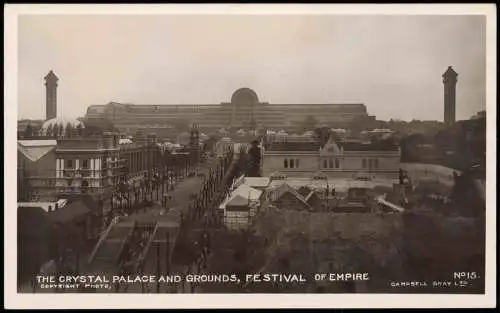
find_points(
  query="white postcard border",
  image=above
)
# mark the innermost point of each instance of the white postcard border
(15, 300)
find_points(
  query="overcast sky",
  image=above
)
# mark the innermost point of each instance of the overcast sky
(393, 64)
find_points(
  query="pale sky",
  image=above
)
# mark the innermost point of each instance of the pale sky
(392, 64)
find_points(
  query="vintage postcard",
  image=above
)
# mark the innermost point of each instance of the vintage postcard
(250, 156)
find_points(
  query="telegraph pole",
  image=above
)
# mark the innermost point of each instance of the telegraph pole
(168, 252)
(157, 267)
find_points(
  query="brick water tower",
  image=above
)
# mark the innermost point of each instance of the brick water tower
(51, 95)
(450, 83)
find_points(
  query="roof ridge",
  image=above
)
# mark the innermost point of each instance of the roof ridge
(42, 151)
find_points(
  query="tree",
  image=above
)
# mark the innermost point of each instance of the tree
(55, 131)
(48, 132)
(97, 126)
(209, 144)
(69, 130)
(322, 134)
(409, 147)
(255, 159)
(28, 131)
(79, 130)
(309, 123)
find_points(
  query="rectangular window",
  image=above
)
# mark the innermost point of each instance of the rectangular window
(324, 163)
(85, 163)
(69, 163)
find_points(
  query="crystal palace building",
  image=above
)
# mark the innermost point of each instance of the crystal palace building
(244, 110)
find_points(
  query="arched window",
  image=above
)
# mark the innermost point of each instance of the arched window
(292, 163)
(324, 163)
(286, 163)
(337, 163)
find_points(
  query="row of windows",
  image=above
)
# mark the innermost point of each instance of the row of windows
(70, 164)
(331, 163)
(291, 163)
(370, 163)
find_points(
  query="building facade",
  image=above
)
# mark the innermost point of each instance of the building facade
(55, 168)
(244, 110)
(335, 159)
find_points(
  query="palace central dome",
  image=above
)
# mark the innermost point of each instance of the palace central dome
(244, 96)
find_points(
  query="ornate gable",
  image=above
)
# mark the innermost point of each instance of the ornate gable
(331, 148)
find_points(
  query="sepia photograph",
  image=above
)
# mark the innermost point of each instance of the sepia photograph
(226, 151)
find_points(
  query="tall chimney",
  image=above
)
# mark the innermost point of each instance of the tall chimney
(450, 83)
(51, 95)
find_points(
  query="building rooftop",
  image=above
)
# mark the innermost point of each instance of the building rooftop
(286, 188)
(304, 191)
(256, 181)
(247, 192)
(238, 201)
(340, 184)
(37, 143)
(294, 146)
(372, 146)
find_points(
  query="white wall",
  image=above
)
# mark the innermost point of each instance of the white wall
(388, 165)
(272, 163)
(439, 173)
